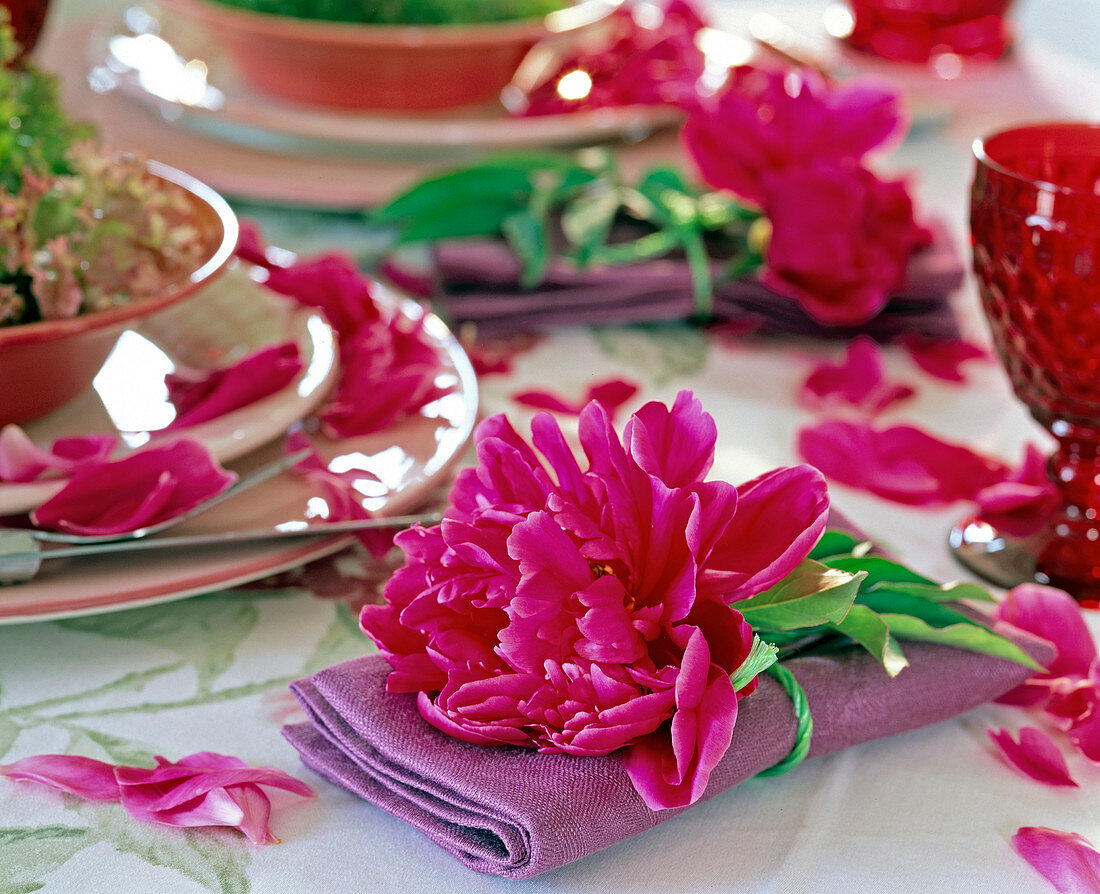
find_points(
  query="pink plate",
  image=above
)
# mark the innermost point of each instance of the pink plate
(411, 459)
(228, 320)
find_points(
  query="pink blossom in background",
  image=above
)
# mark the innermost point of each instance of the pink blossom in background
(145, 488)
(1021, 503)
(641, 56)
(200, 395)
(21, 460)
(202, 789)
(1064, 859)
(943, 358)
(1035, 755)
(859, 380)
(612, 395)
(901, 463)
(841, 239)
(606, 589)
(765, 124)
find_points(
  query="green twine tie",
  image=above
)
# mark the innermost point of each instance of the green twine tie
(805, 722)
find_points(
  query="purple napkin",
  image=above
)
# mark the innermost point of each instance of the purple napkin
(478, 282)
(514, 812)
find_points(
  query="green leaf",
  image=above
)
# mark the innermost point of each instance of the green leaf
(528, 237)
(809, 596)
(972, 637)
(30, 854)
(761, 656)
(586, 221)
(834, 543)
(878, 570)
(885, 601)
(870, 631)
(951, 592)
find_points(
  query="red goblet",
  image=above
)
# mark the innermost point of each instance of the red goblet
(923, 30)
(1035, 228)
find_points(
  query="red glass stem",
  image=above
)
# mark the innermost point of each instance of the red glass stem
(1070, 556)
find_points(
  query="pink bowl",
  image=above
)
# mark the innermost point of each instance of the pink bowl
(45, 365)
(352, 66)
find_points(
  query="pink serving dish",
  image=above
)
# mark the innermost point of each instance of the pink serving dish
(352, 66)
(45, 365)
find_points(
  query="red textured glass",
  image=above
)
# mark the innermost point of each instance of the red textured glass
(1035, 226)
(921, 30)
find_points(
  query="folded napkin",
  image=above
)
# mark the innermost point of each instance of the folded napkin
(478, 282)
(514, 812)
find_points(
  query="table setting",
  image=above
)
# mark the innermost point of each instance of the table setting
(667, 463)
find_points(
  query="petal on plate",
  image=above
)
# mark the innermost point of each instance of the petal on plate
(1035, 755)
(202, 395)
(22, 460)
(71, 773)
(145, 488)
(1065, 859)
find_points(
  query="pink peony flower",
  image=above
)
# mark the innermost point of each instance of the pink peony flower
(586, 609)
(840, 241)
(202, 789)
(767, 124)
(142, 489)
(648, 57)
(200, 394)
(859, 381)
(22, 460)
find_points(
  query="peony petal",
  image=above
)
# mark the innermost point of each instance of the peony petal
(71, 773)
(1035, 755)
(1055, 616)
(859, 380)
(201, 395)
(903, 463)
(675, 445)
(943, 358)
(146, 488)
(1064, 859)
(22, 460)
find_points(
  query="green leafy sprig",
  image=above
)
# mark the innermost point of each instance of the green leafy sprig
(567, 206)
(842, 595)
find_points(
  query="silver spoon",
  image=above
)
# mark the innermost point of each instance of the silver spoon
(261, 475)
(21, 554)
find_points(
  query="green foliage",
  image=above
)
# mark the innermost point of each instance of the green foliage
(37, 134)
(843, 595)
(527, 198)
(403, 12)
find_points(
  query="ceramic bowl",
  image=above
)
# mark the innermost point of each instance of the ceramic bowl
(46, 364)
(396, 67)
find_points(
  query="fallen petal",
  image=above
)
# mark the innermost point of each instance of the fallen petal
(858, 380)
(1035, 755)
(943, 358)
(71, 773)
(22, 460)
(143, 489)
(1068, 861)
